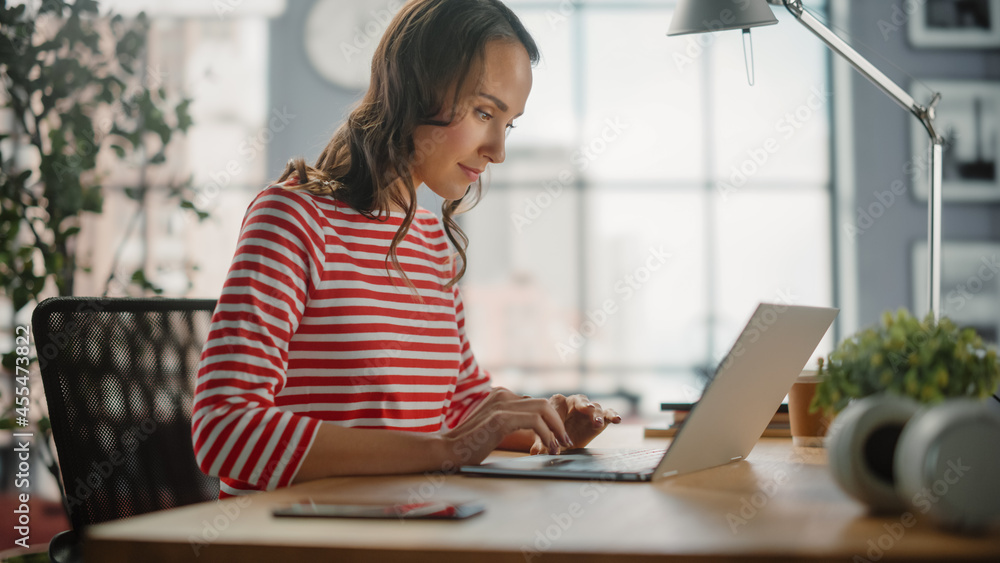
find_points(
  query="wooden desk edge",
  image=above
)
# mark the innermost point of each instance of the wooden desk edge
(113, 542)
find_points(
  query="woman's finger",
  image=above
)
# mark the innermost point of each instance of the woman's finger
(546, 439)
(553, 421)
(561, 403)
(496, 396)
(597, 415)
(538, 447)
(473, 440)
(579, 403)
(579, 406)
(549, 419)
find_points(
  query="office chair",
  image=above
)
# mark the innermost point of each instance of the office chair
(119, 377)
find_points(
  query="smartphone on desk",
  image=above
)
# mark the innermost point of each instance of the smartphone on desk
(421, 510)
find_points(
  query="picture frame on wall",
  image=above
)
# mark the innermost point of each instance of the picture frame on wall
(954, 24)
(970, 285)
(968, 117)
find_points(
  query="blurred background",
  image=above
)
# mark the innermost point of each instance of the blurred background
(650, 199)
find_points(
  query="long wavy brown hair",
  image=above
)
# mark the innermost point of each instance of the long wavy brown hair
(431, 48)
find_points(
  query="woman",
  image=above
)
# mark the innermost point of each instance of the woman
(338, 346)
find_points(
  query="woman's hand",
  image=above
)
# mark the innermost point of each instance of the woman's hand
(504, 412)
(582, 418)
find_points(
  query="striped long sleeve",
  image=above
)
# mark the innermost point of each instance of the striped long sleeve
(474, 383)
(311, 328)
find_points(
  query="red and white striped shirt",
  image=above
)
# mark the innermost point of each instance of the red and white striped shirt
(310, 328)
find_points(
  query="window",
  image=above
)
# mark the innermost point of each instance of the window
(219, 60)
(650, 199)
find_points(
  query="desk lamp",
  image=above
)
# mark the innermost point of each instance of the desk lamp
(699, 16)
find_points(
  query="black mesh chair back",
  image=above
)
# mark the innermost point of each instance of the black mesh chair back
(119, 376)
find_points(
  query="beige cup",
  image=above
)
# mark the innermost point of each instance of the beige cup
(807, 429)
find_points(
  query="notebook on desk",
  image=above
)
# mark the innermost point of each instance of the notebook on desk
(733, 412)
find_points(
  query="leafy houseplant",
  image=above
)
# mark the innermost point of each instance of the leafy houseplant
(77, 87)
(925, 360)
(78, 101)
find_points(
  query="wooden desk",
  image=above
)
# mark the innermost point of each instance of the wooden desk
(778, 505)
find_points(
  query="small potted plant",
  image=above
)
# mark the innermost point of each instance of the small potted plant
(925, 360)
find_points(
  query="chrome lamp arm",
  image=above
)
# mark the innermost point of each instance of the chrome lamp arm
(924, 113)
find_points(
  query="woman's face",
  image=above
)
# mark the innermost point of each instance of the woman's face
(450, 158)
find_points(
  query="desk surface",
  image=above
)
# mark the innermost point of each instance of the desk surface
(780, 504)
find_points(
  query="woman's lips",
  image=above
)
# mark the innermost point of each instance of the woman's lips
(472, 173)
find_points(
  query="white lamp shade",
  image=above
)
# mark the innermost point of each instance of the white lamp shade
(700, 16)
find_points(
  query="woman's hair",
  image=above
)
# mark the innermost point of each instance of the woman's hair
(431, 48)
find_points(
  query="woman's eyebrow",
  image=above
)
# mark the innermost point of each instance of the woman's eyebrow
(503, 107)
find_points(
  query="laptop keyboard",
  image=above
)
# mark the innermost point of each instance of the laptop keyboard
(624, 462)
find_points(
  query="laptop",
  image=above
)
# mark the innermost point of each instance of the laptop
(735, 408)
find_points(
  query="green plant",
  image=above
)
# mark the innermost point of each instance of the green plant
(79, 100)
(925, 360)
(78, 87)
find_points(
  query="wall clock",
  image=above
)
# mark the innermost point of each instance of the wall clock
(340, 40)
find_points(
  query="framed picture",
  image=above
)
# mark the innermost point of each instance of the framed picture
(958, 24)
(970, 285)
(968, 117)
